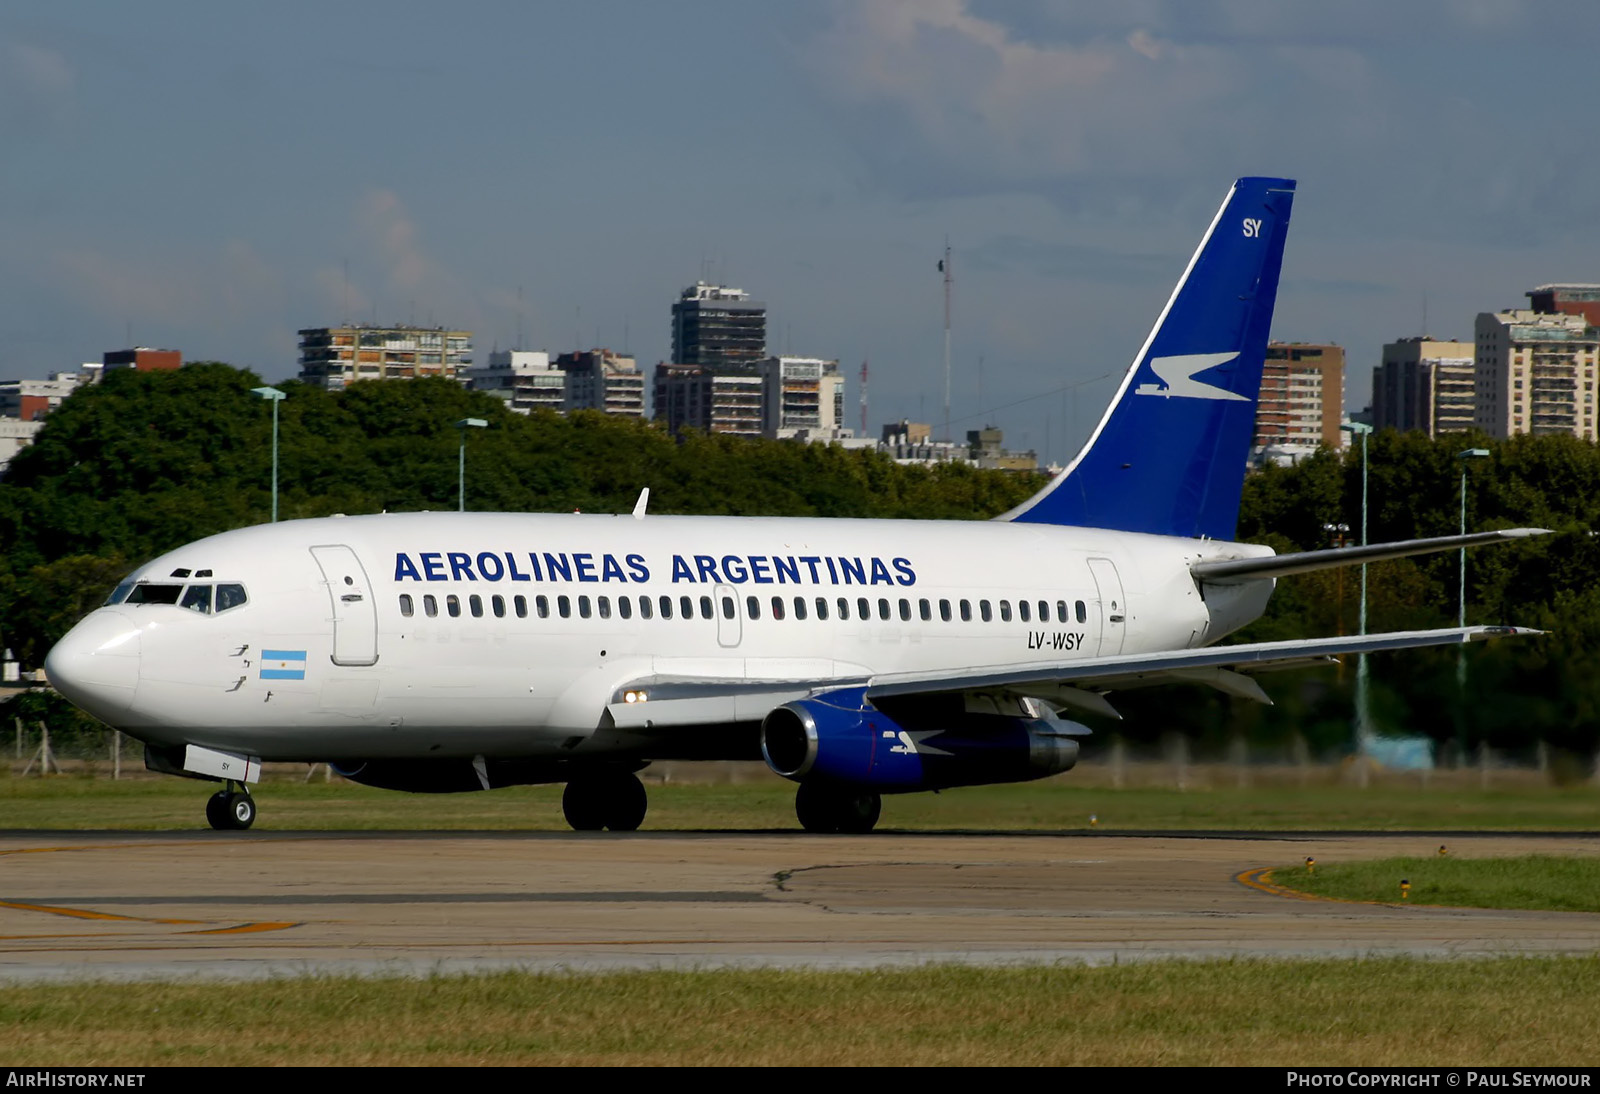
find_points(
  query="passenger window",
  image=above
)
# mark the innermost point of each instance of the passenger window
(944, 610)
(430, 606)
(585, 609)
(822, 607)
(542, 606)
(1061, 611)
(1024, 612)
(905, 610)
(452, 604)
(197, 598)
(624, 607)
(1083, 612)
(1005, 611)
(799, 607)
(405, 605)
(966, 611)
(475, 602)
(777, 607)
(564, 606)
(604, 604)
(685, 607)
(985, 611)
(863, 608)
(644, 607)
(230, 596)
(924, 609)
(752, 607)
(1044, 611)
(727, 607)
(705, 608)
(520, 603)
(844, 608)
(666, 607)
(499, 604)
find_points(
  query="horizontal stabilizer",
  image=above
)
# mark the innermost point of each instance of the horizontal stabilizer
(1239, 570)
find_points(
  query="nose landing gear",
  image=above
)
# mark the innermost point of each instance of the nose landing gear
(230, 809)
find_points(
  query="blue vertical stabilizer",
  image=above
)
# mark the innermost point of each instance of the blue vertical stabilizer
(1169, 456)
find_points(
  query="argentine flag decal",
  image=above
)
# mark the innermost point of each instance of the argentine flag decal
(283, 664)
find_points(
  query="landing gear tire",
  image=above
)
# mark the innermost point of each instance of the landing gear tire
(617, 802)
(829, 809)
(231, 810)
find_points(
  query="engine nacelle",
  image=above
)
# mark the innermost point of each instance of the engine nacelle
(451, 775)
(924, 745)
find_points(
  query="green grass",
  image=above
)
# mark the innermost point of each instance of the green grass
(1542, 882)
(148, 803)
(1391, 1012)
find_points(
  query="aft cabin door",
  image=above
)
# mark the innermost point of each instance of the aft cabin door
(355, 614)
(1113, 610)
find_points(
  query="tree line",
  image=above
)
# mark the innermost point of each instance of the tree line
(144, 462)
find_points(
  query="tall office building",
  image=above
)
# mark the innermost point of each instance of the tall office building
(525, 379)
(1535, 373)
(801, 396)
(1569, 299)
(332, 357)
(598, 379)
(142, 359)
(713, 325)
(1424, 384)
(1302, 398)
(722, 400)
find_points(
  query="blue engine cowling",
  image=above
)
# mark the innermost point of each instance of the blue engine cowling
(923, 744)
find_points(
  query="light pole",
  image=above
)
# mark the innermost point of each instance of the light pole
(1461, 600)
(465, 424)
(1363, 727)
(273, 396)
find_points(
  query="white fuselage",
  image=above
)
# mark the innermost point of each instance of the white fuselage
(445, 634)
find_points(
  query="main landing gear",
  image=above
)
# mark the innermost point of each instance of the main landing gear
(231, 809)
(823, 808)
(614, 800)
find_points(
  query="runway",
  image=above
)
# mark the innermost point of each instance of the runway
(250, 905)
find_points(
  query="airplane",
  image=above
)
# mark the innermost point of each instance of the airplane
(459, 651)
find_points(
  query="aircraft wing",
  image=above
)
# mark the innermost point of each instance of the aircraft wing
(1236, 571)
(660, 703)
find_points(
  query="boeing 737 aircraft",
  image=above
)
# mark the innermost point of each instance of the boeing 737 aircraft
(466, 651)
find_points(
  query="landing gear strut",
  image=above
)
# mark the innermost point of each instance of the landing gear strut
(824, 808)
(231, 809)
(615, 800)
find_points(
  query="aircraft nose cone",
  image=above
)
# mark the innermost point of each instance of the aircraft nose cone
(96, 666)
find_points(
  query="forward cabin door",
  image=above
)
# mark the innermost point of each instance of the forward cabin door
(1113, 610)
(355, 613)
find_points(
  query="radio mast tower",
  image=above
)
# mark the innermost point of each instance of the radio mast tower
(863, 397)
(944, 268)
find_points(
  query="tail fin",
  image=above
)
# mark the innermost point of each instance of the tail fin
(1169, 456)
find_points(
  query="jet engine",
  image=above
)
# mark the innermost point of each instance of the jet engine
(925, 743)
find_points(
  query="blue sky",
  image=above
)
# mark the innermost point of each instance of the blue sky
(202, 174)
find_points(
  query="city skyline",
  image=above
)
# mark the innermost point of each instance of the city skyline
(215, 180)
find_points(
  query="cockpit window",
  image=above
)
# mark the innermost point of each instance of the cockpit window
(204, 599)
(148, 593)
